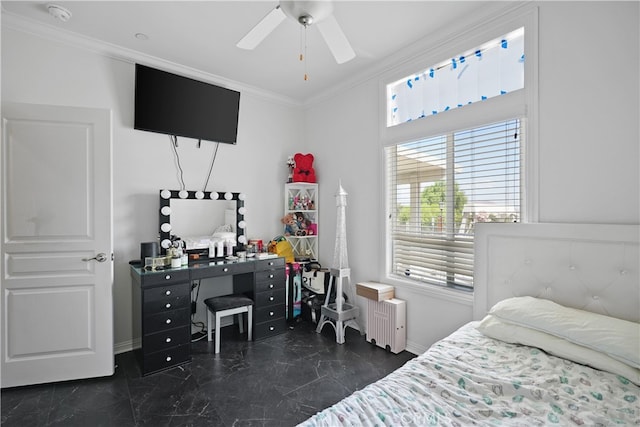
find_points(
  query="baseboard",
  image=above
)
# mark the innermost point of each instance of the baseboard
(415, 348)
(126, 346)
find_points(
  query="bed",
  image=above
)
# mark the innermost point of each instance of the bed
(555, 340)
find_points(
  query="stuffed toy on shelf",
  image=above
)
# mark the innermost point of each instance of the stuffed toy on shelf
(303, 170)
(290, 225)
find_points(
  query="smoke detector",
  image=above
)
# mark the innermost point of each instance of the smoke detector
(59, 12)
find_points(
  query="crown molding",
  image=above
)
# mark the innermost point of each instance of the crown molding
(16, 22)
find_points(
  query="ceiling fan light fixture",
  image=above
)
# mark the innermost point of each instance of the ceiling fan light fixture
(306, 20)
(300, 10)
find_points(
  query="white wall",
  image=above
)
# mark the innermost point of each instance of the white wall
(589, 95)
(35, 70)
(588, 147)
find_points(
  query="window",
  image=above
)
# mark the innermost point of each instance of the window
(493, 69)
(440, 188)
(454, 150)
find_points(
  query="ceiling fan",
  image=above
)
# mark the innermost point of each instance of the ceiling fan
(318, 13)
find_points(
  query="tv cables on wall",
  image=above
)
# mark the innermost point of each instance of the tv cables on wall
(176, 157)
(213, 160)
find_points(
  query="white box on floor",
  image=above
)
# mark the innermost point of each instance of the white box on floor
(375, 291)
(386, 324)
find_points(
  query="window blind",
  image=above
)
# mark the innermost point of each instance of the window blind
(440, 187)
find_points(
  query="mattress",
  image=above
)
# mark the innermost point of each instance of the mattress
(471, 379)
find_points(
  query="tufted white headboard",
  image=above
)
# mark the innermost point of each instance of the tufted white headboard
(592, 267)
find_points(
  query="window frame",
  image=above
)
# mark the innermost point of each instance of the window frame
(458, 147)
(521, 104)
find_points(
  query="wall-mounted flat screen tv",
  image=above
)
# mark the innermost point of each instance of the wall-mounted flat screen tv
(180, 106)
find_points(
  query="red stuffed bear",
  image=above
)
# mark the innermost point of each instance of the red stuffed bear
(303, 171)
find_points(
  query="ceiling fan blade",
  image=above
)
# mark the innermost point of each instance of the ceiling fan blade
(336, 40)
(262, 29)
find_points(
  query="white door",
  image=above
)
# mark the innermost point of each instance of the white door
(57, 268)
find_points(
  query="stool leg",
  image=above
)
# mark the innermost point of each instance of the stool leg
(250, 322)
(241, 322)
(217, 347)
(209, 318)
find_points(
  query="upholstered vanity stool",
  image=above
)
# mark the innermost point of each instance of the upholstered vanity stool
(228, 305)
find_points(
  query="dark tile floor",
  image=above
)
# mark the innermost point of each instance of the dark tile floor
(279, 381)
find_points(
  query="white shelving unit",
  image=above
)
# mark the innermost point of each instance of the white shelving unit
(301, 200)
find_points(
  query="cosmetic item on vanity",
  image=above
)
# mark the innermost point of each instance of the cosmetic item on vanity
(212, 250)
(149, 250)
(176, 261)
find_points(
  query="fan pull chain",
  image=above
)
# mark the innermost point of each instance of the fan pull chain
(303, 51)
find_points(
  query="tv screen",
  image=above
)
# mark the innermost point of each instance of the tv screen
(180, 106)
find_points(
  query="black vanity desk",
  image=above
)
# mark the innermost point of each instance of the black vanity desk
(162, 305)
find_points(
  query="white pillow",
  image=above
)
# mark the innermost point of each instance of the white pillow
(493, 327)
(617, 338)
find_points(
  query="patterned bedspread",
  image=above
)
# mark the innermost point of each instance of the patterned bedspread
(470, 379)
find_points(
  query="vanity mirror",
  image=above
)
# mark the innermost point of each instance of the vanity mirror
(198, 213)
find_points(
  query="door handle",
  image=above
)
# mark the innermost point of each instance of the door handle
(101, 257)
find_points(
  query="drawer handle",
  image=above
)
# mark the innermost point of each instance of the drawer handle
(168, 359)
(168, 340)
(270, 298)
(271, 286)
(225, 269)
(271, 328)
(167, 277)
(168, 305)
(168, 321)
(270, 262)
(271, 276)
(167, 293)
(271, 313)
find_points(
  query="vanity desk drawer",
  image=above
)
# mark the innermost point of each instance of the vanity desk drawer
(165, 277)
(272, 312)
(269, 298)
(166, 292)
(270, 263)
(164, 359)
(164, 321)
(213, 269)
(270, 328)
(166, 339)
(271, 285)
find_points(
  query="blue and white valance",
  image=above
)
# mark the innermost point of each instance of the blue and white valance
(490, 70)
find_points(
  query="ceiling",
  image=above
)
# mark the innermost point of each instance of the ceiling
(202, 36)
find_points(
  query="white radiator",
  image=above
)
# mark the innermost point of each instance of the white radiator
(386, 324)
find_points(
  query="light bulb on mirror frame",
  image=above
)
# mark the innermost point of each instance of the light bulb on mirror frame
(183, 194)
(166, 243)
(242, 196)
(228, 196)
(166, 227)
(165, 194)
(242, 210)
(214, 195)
(199, 195)
(166, 211)
(242, 239)
(242, 224)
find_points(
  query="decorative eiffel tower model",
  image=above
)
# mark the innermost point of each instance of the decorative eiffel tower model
(339, 314)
